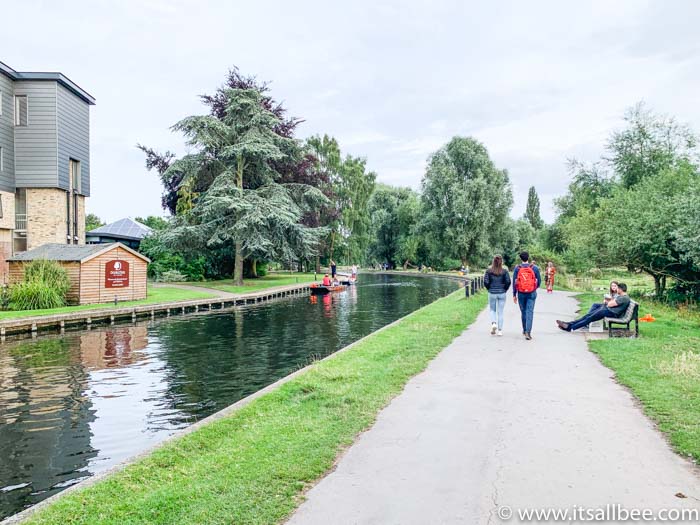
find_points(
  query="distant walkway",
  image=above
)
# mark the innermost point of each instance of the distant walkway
(504, 421)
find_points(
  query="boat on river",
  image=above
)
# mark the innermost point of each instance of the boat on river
(321, 289)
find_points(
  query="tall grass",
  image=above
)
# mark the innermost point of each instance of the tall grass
(45, 285)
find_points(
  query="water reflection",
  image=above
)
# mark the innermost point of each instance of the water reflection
(47, 409)
(76, 404)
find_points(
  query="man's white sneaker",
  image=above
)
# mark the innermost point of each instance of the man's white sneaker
(493, 328)
(500, 333)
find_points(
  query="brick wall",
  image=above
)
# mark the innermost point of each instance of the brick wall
(7, 221)
(81, 219)
(7, 224)
(46, 216)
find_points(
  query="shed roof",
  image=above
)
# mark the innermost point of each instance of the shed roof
(71, 252)
(122, 229)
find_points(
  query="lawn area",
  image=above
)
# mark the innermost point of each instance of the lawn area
(261, 283)
(155, 296)
(661, 368)
(252, 466)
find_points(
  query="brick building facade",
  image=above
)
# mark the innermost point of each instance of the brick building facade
(44, 161)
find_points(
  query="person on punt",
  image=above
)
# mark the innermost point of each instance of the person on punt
(326, 280)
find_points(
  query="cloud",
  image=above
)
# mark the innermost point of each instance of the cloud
(393, 81)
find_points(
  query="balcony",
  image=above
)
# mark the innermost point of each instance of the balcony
(20, 222)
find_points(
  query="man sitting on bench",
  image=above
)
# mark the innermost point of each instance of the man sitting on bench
(615, 308)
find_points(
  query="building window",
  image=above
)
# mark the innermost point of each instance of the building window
(2, 159)
(74, 169)
(0, 103)
(21, 110)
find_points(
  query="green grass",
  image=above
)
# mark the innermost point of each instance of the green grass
(155, 296)
(662, 369)
(261, 283)
(252, 466)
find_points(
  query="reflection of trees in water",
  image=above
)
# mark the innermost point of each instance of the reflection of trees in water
(45, 437)
(45, 410)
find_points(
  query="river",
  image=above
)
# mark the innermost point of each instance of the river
(75, 404)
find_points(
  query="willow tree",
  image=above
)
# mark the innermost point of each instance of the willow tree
(466, 200)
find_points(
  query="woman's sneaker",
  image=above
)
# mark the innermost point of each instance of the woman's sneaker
(493, 328)
(500, 333)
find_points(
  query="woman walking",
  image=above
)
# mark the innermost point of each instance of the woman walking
(549, 276)
(497, 282)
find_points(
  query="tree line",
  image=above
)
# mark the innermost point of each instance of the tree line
(637, 207)
(250, 193)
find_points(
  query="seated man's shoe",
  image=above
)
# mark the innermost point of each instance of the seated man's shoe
(564, 326)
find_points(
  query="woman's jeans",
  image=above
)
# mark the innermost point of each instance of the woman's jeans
(526, 301)
(497, 302)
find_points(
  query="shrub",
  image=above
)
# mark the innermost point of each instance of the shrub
(48, 272)
(172, 276)
(5, 297)
(35, 295)
(595, 273)
(45, 285)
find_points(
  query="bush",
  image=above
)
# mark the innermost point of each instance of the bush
(595, 273)
(262, 269)
(48, 272)
(45, 285)
(35, 295)
(5, 297)
(172, 276)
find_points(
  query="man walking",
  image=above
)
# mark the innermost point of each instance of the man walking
(526, 279)
(614, 308)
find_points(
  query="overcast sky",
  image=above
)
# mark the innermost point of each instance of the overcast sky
(537, 82)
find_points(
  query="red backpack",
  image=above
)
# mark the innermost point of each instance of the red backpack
(526, 281)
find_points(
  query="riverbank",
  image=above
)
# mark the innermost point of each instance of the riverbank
(86, 315)
(156, 295)
(252, 466)
(271, 280)
(662, 369)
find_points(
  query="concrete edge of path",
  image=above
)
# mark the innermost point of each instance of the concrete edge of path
(223, 413)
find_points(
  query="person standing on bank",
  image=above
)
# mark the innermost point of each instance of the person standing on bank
(550, 271)
(526, 279)
(497, 282)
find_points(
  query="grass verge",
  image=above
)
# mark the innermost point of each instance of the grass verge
(662, 369)
(252, 467)
(261, 283)
(155, 296)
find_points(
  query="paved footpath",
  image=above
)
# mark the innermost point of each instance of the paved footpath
(501, 422)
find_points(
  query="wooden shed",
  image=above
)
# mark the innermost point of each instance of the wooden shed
(98, 272)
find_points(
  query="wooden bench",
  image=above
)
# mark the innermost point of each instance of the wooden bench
(631, 314)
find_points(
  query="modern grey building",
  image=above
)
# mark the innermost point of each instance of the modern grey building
(44, 160)
(126, 231)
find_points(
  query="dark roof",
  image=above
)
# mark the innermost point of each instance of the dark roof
(59, 252)
(122, 229)
(58, 77)
(71, 252)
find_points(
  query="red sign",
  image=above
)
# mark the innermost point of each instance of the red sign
(117, 274)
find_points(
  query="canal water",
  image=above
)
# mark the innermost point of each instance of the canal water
(75, 404)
